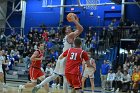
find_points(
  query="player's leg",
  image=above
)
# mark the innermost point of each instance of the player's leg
(1, 81)
(77, 83)
(85, 75)
(27, 85)
(92, 84)
(83, 83)
(65, 85)
(46, 86)
(61, 72)
(1, 77)
(53, 76)
(73, 90)
(91, 76)
(33, 76)
(48, 79)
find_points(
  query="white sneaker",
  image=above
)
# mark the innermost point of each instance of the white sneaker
(58, 86)
(20, 88)
(117, 90)
(112, 89)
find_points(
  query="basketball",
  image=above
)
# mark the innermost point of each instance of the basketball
(70, 15)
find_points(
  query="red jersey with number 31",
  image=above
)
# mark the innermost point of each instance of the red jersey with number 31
(75, 57)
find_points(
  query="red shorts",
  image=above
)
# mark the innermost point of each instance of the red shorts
(35, 73)
(74, 80)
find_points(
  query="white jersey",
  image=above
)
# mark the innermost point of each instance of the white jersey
(66, 44)
(60, 64)
(92, 62)
(1, 61)
(89, 71)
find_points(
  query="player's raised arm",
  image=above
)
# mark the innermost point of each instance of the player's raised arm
(79, 28)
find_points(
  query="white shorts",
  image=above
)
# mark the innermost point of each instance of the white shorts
(60, 66)
(88, 73)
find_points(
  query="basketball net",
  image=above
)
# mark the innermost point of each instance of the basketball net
(45, 3)
(92, 4)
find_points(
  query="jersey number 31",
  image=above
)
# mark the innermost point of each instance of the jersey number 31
(73, 56)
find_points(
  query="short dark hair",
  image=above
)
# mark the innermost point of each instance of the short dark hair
(64, 29)
(77, 42)
(39, 43)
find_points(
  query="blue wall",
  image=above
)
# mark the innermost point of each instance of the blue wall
(37, 15)
(88, 20)
(133, 13)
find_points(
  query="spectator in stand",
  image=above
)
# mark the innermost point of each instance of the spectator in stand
(110, 79)
(104, 71)
(13, 33)
(88, 45)
(57, 38)
(45, 35)
(30, 37)
(50, 44)
(94, 42)
(2, 39)
(35, 45)
(26, 60)
(10, 62)
(137, 60)
(117, 83)
(135, 79)
(17, 56)
(126, 81)
(48, 70)
(53, 55)
(52, 32)
(20, 48)
(25, 39)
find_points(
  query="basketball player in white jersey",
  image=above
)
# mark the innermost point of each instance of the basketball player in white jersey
(60, 65)
(89, 72)
(2, 60)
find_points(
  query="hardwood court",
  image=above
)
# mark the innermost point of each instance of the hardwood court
(10, 89)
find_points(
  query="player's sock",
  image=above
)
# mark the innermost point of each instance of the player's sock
(22, 86)
(20, 89)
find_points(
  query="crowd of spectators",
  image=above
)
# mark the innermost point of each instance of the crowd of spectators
(99, 39)
(126, 77)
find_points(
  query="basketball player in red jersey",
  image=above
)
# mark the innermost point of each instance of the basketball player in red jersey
(75, 56)
(35, 69)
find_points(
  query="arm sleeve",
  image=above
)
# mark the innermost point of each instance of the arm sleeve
(85, 56)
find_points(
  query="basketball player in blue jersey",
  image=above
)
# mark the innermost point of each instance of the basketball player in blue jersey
(60, 65)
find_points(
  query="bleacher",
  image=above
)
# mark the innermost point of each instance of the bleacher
(17, 74)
